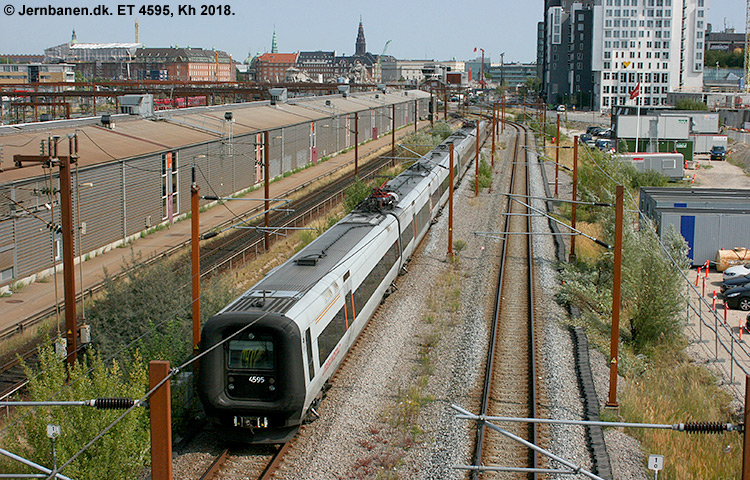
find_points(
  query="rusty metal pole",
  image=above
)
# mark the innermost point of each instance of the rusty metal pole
(267, 185)
(476, 163)
(450, 205)
(356, 144)
(433, 110)
(615, 340)
(69, 279)
(445, 104)
(572, 257)
(494, 132)
(393, 134)
(196, 260)
(502, 116)
(161, 421)
(416, 116)
(557, 154)
(745, 436)
(544, 123)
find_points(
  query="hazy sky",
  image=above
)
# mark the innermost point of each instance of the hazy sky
(438, 29)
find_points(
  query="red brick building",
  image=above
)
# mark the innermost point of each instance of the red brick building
(185, 64)
(272, 67)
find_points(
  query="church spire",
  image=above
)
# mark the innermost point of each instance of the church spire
(360, 48)
(274, 46)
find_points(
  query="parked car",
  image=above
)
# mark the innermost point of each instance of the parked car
(560, 108)
(738, 297)
(585, 138)
(594, 130)
(604, 144)
(735, 281)
(605, 133)
(736, 270)
(718, 153)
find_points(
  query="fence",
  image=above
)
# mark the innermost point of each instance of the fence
(730, 354)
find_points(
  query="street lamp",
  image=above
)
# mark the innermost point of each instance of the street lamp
(502, 71)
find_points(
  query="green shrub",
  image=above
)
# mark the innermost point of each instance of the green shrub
(355, 193)
(151, 307)
(119, 454)
(485, 174)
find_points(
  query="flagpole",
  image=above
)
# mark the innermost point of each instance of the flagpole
(638, 115)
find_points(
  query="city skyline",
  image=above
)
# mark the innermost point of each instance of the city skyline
(441, 31)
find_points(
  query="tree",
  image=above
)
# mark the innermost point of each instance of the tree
(734, 59)
(688, 104)
(531, 87)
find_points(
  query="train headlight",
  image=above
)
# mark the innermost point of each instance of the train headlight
(230, 386)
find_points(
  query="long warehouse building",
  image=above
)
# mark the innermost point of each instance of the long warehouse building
(134, 173)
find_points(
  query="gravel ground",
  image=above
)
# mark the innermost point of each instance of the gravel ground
(354, 435)
(362, 430)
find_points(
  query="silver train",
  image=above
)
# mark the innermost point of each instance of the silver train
(287, 335)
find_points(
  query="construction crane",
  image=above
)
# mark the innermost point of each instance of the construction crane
(378, 74)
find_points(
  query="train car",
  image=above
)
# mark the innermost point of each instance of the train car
(269, 353)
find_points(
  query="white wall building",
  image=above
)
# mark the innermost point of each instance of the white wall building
(658, 43)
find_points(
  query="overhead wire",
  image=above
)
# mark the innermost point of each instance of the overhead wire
(117, 354)
(172, 373)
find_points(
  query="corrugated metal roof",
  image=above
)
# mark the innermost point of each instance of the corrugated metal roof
(134, 136)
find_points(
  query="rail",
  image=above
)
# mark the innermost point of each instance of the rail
(36, 318)
(506, 256)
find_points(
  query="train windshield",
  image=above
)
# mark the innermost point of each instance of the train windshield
(252, 351)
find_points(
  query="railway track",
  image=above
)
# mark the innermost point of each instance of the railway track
(256, 462)
(226, 252)
(510, 380)
(249, 463)
(243, 245)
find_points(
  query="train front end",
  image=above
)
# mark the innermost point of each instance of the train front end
(252, 385)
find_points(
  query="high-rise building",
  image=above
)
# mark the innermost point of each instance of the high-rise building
(607, 47)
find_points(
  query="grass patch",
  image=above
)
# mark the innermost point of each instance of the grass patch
(674, 390)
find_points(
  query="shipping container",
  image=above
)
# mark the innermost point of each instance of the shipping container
(670, 165)
(704, 143)
(653, 127)
(708, 219)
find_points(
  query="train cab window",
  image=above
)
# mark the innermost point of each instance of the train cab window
(251, 352)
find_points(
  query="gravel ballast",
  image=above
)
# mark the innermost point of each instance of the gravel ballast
(383, 414)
